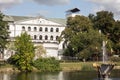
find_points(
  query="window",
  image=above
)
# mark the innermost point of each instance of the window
(51, 37)
(51, 30)
(46, 29)
(46, 37)
(56, 37)
(23, 28)
(57, 29)
(35, 37)
(40, 37)
(40, 29)
(35, 29)
(29, 28)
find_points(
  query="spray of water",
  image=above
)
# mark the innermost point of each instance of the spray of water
(105, 58)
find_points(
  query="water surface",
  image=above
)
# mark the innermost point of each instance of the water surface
(77, 75)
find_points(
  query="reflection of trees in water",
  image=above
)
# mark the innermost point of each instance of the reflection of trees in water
(76, 75)
(4, 76)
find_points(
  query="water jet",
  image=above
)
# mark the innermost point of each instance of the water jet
(105, 68)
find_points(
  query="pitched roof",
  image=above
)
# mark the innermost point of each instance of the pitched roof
(19, 18)
(58, 20)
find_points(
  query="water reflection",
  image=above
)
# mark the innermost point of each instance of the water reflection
(88, 75)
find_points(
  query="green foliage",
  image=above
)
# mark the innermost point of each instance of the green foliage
(47, 64)
(86, 67)
(104, 21)
(115, 37)
(115, 59)
(3, 33)
(76, 26)
(81, 39)
(24, 53)
(79, 23)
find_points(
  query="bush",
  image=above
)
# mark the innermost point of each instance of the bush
(115, 59)
(47, 64)
(86, 67)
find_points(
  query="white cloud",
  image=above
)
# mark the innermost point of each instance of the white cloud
(109, 5)
(52, 2)
(8, 3)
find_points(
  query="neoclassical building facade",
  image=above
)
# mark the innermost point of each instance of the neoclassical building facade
(42, 31)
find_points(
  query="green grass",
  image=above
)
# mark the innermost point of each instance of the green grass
(79, 66)
(76, 66)
(6, 66)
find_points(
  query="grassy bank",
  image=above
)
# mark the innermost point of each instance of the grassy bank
(81, 66)
(65, 66)
(76, 66)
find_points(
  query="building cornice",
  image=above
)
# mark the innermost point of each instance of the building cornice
(40, 25)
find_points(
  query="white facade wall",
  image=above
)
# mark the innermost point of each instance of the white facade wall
(51, 45)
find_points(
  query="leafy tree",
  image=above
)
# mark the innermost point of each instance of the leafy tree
(88, 44)
(24, 52)
(74, 26)
(3, 34)
(115, 37)
(105, 22)
(39, 51)
(80, 38)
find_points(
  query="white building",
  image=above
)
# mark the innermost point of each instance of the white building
(42, 31)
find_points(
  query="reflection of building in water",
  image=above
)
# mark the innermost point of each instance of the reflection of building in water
(60, 76)
(4, 76)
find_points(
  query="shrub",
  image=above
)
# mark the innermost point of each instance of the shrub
(115, 59)
(86, 67)
(47, 64)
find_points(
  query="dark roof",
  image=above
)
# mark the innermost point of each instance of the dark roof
(73, 10)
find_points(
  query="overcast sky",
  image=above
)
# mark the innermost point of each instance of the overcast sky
(57, 8)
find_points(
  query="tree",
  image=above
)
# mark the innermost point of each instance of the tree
(115, 37)
(81, 38)
(105, 22)
(39, 51)
(24, 52)
(3, 34)
(75, 25)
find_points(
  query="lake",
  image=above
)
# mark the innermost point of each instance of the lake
(75, 75)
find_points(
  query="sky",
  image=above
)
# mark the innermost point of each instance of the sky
(57, 8)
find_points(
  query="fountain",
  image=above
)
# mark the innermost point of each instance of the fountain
(105, 68)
